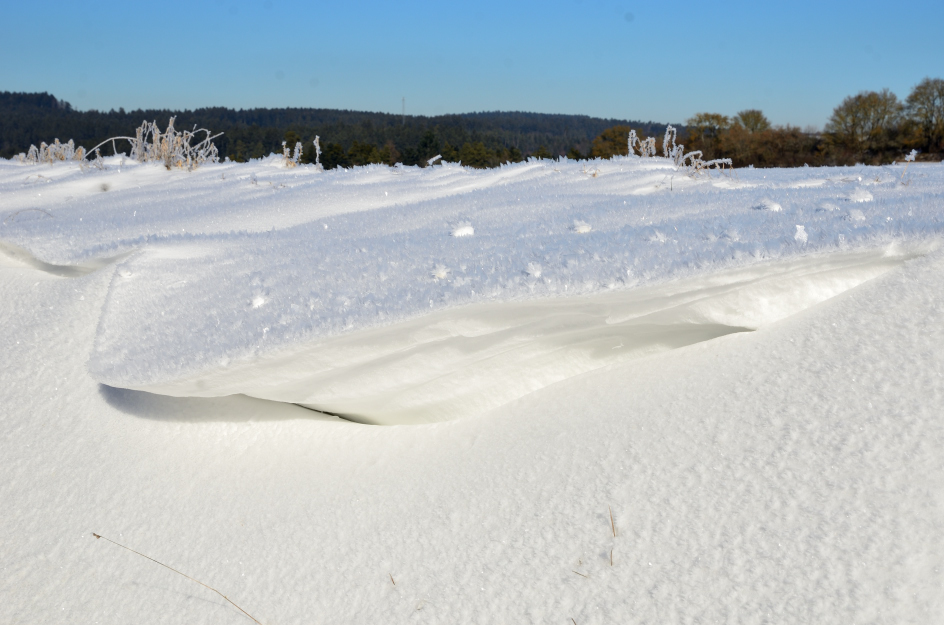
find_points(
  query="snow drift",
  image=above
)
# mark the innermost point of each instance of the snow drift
(465, 361)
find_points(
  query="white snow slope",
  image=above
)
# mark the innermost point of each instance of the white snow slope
(747, 370)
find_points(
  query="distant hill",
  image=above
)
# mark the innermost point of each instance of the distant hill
(29, 118)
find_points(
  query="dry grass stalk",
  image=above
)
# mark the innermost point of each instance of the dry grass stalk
(179, 573)
(12, 216)
(291, 160)
(580, 574)
(391, 578)
(908, 161)
(612, 522)
(593, 173)
(317, 143)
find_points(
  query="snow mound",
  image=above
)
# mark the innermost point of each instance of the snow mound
(801, 236)
(769, 205)
(463, 229)
(581, 227)
(461, 362)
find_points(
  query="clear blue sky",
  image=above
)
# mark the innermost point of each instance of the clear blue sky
(647, 61)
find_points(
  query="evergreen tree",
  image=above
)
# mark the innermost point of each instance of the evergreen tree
(450, 154)
(334, 156)
(476, 155)
(362, 153)
(428, 147)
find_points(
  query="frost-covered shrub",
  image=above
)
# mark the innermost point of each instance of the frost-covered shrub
(692, 161)
(55, 152)
(909, 159)
(647, 148)
(172, 148)
(291, 160)
(670, 149)
(317, 143)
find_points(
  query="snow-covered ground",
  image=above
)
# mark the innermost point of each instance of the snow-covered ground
(746, 369)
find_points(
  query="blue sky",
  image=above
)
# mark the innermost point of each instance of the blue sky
(644, 61)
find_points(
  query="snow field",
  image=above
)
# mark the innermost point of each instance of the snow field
(790, 474)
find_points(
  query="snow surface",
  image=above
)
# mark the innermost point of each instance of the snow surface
(767, 433)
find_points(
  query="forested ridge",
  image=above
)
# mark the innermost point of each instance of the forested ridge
(347, 137)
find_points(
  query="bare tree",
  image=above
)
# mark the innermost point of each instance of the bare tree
(705, 131)
(925, 109)
(865, 123)
(752, 120)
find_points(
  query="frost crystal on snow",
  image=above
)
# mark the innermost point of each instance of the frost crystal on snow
(440, 272)
(581, 227)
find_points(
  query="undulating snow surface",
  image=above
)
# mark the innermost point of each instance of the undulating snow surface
(748, 370)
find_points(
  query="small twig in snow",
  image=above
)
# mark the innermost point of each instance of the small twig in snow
(179, 573)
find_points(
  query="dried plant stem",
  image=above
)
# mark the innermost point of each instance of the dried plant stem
(391, 578)
(39, 210)
(612, 523)
(611, 557)
(581, 574)
(179, 573)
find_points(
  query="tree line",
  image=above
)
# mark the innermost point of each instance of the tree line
(870, 127)
(347, 137)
